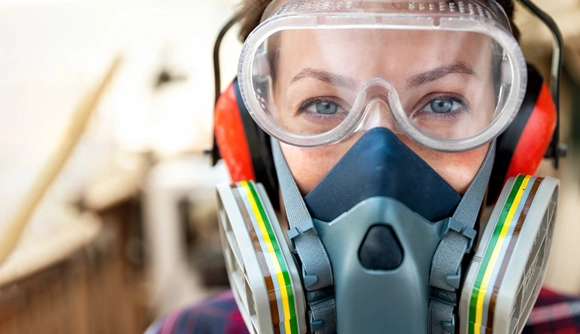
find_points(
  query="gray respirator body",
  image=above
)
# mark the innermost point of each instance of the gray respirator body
(384, 245)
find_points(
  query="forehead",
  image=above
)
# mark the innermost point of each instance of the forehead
(376, 51)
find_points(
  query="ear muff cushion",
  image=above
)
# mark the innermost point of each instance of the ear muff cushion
(521, 148)
(231, 137)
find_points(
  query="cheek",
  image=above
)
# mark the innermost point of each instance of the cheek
(310, 164)
(458, 169)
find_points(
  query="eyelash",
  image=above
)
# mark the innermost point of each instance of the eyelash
(452, 97)
(430, 98)
(306, 104)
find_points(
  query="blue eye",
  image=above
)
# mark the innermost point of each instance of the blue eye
(326, 107)
(441, 106)
(444, 105)
(321, 106)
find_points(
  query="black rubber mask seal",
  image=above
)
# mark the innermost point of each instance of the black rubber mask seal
(380, 164)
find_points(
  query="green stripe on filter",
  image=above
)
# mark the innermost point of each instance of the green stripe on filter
(266, 266)
(493, 254)
(289, 324)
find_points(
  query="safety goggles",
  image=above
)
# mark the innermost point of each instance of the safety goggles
(447, 74)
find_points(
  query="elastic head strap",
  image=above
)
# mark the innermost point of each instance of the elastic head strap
(317, 270)
(446, 264)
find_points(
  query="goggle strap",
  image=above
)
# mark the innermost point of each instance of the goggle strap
(317, 270)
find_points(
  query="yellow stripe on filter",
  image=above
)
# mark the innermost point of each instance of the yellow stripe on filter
(272, 255)
(495, 254)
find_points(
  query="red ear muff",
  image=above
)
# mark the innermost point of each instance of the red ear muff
(244, 147)
(231, 137)
(535, 138)
(521, 148)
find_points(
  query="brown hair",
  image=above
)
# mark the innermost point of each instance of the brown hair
(250, 13)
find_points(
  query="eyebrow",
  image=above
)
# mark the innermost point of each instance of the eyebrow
(331, 78)
(439, 73)
(417, 80)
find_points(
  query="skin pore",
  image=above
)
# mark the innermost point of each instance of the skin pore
(320, 74)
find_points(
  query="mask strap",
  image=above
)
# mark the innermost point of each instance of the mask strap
(316, 267)
(446, 266)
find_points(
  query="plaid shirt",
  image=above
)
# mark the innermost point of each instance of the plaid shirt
(217, 315)
(553, 313)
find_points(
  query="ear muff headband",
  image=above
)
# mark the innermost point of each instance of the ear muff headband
(556, 149)
(521, 148)
(214, 152)
(244, 147)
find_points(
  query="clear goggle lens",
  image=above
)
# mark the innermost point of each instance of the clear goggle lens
(450, 82)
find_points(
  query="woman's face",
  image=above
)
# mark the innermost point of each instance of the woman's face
(443, 81)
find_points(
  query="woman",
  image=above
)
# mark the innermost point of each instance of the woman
(384, 116)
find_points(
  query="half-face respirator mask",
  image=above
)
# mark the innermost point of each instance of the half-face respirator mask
(383, 243)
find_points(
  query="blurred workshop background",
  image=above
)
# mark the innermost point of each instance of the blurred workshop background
(127, 231)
